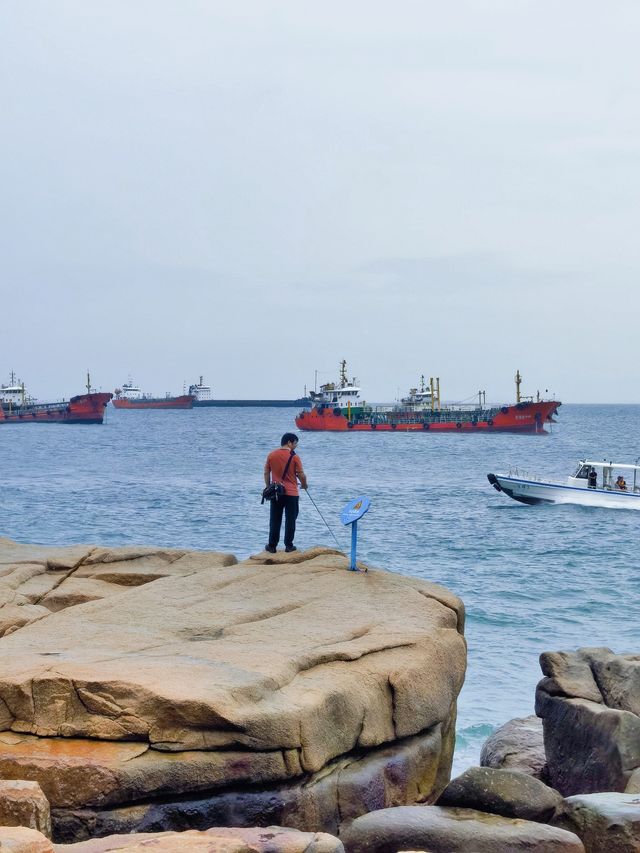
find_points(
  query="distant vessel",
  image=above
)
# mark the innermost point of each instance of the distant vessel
(595, 483)
(131, 397)
(202, 395)
(17, 407)
(338, 407)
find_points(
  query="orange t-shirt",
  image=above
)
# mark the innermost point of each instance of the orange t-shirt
(276, 463)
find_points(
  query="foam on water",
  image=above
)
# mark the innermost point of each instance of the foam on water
(532, 578)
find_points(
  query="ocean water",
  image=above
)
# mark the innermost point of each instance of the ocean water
(533, 579)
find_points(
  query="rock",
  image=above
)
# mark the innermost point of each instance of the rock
(23, 804)
(592, 738)
(633, 785)
(233, 690)
(35, 580)
(20, 839)
(517, 745)
(271, 839)
(605, 822)
(449, 830)
(343, 790)
(503, 792)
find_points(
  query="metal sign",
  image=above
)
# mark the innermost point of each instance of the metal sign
(355, 509)
(351, 514)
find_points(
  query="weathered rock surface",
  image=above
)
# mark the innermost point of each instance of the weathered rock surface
(606, 822)
(20, 839)
(233, 690)
(271, 839)
(36, 580)
(517, 745)
(589, 702)
(449, 830)
(23, 804)
(503, 792)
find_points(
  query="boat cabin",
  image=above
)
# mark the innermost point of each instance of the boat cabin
(12, 395)
(611, 476)
(200, 391)
(340, 397)
(129, 392)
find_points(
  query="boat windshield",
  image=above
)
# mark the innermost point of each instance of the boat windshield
(583, 471)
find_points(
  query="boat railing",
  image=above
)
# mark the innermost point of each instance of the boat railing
(520, 474)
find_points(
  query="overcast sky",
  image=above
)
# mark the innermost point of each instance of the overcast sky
(255, 190)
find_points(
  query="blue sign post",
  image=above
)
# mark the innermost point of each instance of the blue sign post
(350, 514)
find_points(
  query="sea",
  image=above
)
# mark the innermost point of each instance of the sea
(533, 578)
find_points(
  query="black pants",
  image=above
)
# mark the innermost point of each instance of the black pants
(288, 504)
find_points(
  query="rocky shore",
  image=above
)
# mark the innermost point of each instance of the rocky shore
(167, 700)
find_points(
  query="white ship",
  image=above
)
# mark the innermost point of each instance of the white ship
(595, 483)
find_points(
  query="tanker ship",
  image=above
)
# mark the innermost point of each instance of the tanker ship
(131, 397)
(203, 398)
(339, 407)
(18, 407)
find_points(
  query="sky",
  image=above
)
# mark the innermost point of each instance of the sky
(253, 191)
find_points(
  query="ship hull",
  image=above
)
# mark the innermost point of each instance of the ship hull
(183, 402)
(278, 404)
(528, 418)
(82, 409)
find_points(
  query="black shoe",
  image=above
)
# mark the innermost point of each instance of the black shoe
(270, 548)
(290, 548)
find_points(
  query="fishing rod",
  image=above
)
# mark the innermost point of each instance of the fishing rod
(325, 521)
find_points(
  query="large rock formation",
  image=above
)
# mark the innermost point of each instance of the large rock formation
(194, 692)
(589, 702)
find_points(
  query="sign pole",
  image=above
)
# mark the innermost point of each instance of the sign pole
(354, 544)
(350, 514)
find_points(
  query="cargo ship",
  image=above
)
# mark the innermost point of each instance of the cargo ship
(17, 407)
(202, 395)
(339, 407)
(131, 397)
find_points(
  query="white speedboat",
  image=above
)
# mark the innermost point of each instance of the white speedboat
(595, 483)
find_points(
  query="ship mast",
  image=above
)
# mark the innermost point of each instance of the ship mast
(88, 383)
(518, 381)
(343, 374)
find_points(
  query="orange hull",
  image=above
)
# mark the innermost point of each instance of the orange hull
(82, 409)
(521, 418)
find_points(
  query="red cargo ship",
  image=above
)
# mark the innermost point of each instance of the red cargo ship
(337, 407)
(16, 407)
(131, 397)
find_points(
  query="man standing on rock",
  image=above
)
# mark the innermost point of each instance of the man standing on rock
(283, 466)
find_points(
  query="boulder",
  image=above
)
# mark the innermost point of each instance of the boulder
(271, 839)
(21, 839)
(517, 745)
(449, 830)
(296, 692)
(504, 792)
(633, 785)
(605, 821)
(23, 804)
(588, 702)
